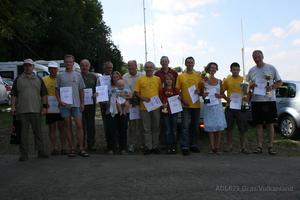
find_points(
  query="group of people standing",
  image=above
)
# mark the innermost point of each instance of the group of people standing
(198, 93)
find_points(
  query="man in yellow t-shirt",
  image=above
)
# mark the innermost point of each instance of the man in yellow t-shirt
(54, 120)
(231, 84)
(191, 111)
(146, 87)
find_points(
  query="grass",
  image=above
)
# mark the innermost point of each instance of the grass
(5, 117)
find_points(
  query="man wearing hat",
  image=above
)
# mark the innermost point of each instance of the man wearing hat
(53, 117)
(29, 101)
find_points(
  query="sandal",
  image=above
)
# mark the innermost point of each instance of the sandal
(258, 150)
(245, 151)
(271, 151)
(72, 153)
(83, 153)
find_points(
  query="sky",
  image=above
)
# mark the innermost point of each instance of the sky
(208, 30)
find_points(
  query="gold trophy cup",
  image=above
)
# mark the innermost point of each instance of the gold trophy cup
(268, 77)
(245, 90)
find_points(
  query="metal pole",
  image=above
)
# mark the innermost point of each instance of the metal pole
(145, 31)
(243, 51)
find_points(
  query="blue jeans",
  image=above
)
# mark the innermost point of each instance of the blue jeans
(190, 120)
(170, 124)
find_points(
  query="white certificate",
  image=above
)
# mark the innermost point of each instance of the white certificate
(66, 95)
(175, 104)
(88, 96)
(53, 105)
(235, 101)
(194, 96)
(134, 113)
(212, 97)
(153, 103)
(105, 80)
(260, 88)
(102, 93)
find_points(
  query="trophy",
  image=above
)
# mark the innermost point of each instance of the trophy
(268, 77)
(206, 98)
(204, 74)
(245, 90)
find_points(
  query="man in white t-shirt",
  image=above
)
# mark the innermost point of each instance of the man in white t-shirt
(135, 126)
(264, 79)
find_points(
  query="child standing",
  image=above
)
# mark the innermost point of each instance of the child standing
(169, 119)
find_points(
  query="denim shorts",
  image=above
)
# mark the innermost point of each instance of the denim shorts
(68, 112)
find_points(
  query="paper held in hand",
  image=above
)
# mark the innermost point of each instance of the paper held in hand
(260, 88)
(102, 93)
(212, 97)
(105, 80)
(175, 104)
(235, 101)
(53, 105)
(66, 95)
(194, 96)
(153, 104)
(134, 113)
(88, 96)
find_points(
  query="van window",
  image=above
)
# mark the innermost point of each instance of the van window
(287, 90)
(7, 74)
(42, 73)
(292, 90)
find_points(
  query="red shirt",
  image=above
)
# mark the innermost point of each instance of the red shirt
(161, 74)
(165, 93)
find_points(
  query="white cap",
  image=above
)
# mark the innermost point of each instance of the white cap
(53, 64)
(28, 61)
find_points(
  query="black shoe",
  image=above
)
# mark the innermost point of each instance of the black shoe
(156, 151)
(185, 152)
(147, 151)
(258, 150)
(42, 154)
(245, 151)
(195, 149)
(271, 151)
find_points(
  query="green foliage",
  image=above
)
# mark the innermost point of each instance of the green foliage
(48, 30)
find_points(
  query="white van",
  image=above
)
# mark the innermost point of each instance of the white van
(62, 68)
(12, 69)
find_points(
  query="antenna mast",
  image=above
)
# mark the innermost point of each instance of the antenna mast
(243, 51)
(145, 31)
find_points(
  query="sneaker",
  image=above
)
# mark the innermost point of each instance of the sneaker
(131, 148)
(271, 151)
(185, 152)
(258, 150)
(72, 153)
(54, 152)
(83, 153)
(245, 151)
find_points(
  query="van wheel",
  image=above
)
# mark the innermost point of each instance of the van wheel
(287, 127)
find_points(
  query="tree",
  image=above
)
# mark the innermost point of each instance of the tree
(47, 30)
